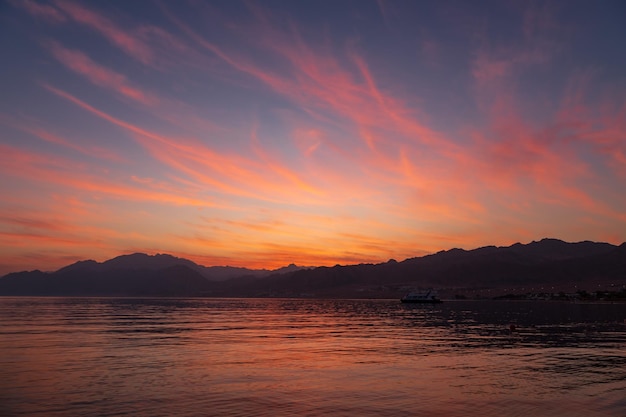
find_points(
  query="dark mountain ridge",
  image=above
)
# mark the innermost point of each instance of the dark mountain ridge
(549, 262)
(142, 261)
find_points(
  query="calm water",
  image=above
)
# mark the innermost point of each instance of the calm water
(194, 357)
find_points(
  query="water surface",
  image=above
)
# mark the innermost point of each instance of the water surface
(192, 357)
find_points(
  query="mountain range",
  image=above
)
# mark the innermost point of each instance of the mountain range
(548, 263)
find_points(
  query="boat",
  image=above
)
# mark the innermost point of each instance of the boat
(428, 297)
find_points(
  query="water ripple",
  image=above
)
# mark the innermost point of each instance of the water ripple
(189, 357)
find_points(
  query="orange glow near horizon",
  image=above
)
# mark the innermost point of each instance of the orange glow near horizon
(244, 136)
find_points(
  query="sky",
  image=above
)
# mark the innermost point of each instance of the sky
(264, 133)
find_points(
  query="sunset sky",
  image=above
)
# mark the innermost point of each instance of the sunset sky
(264, 133)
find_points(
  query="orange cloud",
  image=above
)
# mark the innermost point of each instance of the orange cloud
(63, 231)
(354, 163)
(236, 175)
(283, 171)
(317, 81)
(39, 167)
(399, 148)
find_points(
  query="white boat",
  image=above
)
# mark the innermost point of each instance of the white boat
(427, 297)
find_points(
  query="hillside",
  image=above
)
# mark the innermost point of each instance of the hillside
(547, 263)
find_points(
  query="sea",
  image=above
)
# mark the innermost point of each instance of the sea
(309, 357)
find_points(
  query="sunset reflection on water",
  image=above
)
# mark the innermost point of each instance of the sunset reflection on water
(309, 357)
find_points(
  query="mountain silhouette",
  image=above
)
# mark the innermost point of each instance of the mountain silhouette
(549, 262)
(139, 261)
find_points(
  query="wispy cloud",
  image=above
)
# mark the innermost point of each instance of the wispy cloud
(512, 153)
(266, 180)
(41, 167)
(99, 75)
(318, 83)
(250, 136)
(35, 128)
(133, 46)
(44, 11)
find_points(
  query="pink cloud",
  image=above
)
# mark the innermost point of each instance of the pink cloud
(290, 175)
(309, 140)
(486, 70)
(30, 126)
(431, 51)
(599, 123)
(43, 11)
(97, 74)
(133, 46)
(103, 115)
(236, 175)
(386, 12)
(327, 90)
(546, 165)
(175, 112)
(501, 62)
(397, 162)
(383, 122)
(148, 44)
(521, 159)
(168, 47)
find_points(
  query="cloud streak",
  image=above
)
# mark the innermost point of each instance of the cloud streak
(99, 75)
(43, 11)
(259, 137)
(106, 27)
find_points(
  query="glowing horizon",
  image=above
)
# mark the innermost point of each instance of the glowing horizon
(316, 133)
